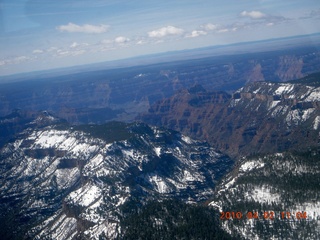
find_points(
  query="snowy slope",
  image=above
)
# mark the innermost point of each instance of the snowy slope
(296, 103)
(70, 184)
(286, 184)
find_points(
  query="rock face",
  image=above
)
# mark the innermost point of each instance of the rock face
(121, 94)
(186, 110)
(258, 118)
(59, 182)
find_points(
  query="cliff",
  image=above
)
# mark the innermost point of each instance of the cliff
(261, 117)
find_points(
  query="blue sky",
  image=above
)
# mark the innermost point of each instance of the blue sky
(46, 34)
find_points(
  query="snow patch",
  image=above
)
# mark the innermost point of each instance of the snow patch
(279, 110)
(234, 102)
(157, 150)
(121, 201)
(187, 176)
(160, 185)
(51, 138)
(215, 205)
(312, 209)
(97, 160)
(248, 166)
(262, 195)
(186, 139)
(109, 228)
(17, 144)
(316, 123)
(83, 149)
(257, 90)
(284, 88)
(177, 149)
(228, 185)
(86, 195)
(273, 104)
(60, 229)
(128, 153)
(65, 175)
(293, 117)
(92, 213)
(313, 96)
(307, 113)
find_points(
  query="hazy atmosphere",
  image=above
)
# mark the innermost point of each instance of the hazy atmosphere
(38, 35)
(159, 119)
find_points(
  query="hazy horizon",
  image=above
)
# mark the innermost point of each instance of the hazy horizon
(40, 35)
(178, 55)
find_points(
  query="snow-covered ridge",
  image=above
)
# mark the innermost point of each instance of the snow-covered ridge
(250, 165)
(84, 180)
(295, 103)
(281, 91)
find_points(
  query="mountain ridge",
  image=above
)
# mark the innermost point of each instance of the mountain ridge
(260, 117)
(60, 182)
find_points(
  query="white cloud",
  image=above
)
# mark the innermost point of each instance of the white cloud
(78, 52)
(141, 42)
(15, 60)
(253, 14)
(224, 30)
(74, 45)
(52, 49)
(86, 28)
(63, 52)
(165, 31)
(68, 53)
(118, 40)
(209, 26)
(270, 24)
(21, 59)
(121, 40)
(37, 51)
(197, 33)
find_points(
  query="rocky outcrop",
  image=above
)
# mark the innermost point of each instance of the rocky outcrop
(259, 118)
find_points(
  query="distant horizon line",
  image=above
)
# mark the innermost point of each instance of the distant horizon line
(116, 64)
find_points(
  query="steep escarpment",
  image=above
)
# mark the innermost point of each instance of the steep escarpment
(187, 109)
(258, 118)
